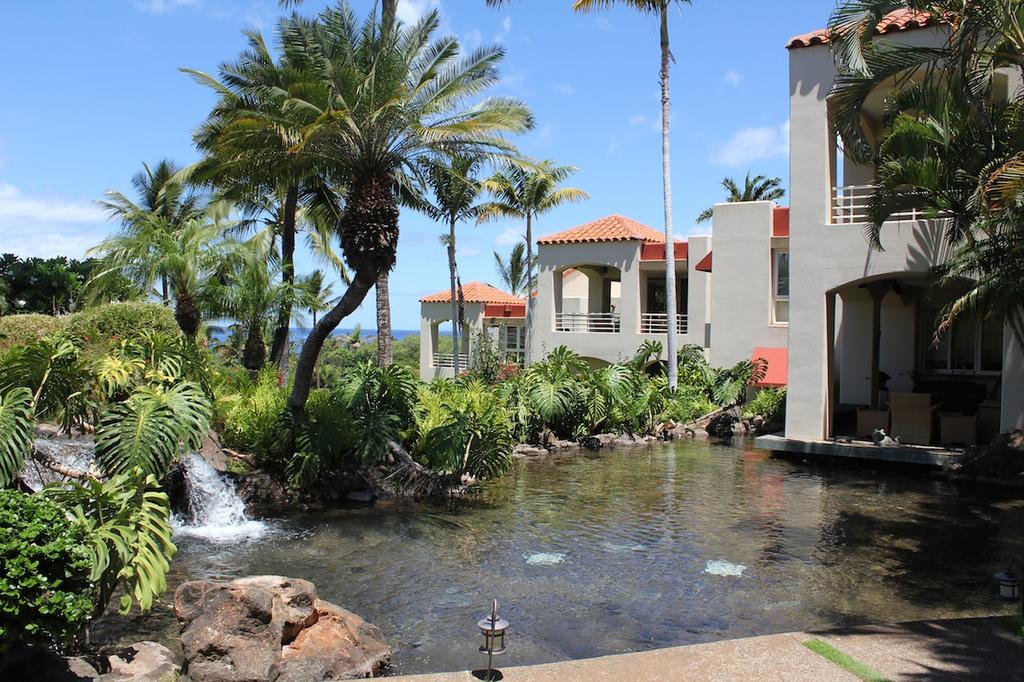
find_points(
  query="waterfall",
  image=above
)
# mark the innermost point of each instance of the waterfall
(73, 452)
(216, 512)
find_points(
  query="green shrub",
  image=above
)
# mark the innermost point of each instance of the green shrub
(687, 404)
(105, 325)
(769, 404)
(19, 330)
(252, 421)
(46, 596)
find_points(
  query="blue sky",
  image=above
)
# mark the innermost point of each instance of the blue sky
(92, 90)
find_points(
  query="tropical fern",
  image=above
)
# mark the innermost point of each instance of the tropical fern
(16, 426)
(149, 429)
(128, 520)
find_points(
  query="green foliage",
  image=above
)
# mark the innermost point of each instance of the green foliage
(53, 370)
(127, 519)
(464, 429)
(16, 432)
(18, 330)
(50, 286)
(687, 404)
(769, 404)
(252, 418)
(150, 428)
(106, 325)
(724, 386)
(46, 591)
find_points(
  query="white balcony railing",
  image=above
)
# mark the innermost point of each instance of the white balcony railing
(850, 206)
(445, 361)
(657, 323)
(587, 322)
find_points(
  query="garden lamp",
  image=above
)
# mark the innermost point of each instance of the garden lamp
(492, 628)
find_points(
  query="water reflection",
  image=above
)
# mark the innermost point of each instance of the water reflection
(601, 554)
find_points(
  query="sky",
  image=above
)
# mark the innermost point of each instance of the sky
(92, 90)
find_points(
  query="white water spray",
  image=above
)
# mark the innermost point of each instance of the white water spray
(217, 512)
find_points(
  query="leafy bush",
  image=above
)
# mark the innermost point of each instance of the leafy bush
(46, 595)
(687, 404)
(252, 424)
(18, 330)
(769, 404)
(103, 326)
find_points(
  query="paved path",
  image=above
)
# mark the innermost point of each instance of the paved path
(969, 649)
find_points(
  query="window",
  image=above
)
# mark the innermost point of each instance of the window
(780, 286)
(515, 344)
(969, 346)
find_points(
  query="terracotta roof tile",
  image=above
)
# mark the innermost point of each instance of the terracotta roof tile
(894, 22)
(475, 292)
(614, 228)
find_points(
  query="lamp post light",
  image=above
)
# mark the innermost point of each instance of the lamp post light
(492, 628)
(1010, 582)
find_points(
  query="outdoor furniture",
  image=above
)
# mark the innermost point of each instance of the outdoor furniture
(958, 429)
(911, 415)
(869, 420)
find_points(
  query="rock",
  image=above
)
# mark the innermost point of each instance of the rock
(259, 487)
(210, 449)
(275, 629)
(1001, 460)
(361, 496)
(723, 425)
(142, 662)
(528, 451)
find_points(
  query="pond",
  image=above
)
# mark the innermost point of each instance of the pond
(619, 551)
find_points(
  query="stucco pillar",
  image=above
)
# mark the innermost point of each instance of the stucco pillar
(1012, 399)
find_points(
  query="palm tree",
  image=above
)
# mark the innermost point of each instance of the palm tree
(758, 188)
(513, 271)
(453, 182)
(316, 293)
(385, 96)
(249, 141)
(660, 8)
(186, 258)
(525, 192)
(165, 202)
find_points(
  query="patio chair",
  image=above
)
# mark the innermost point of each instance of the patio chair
(958, 429)
(911, 415)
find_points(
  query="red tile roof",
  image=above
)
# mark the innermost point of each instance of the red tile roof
(614, 228)
(475, 292)
(894, 22)
(705, 263)
(778, 365)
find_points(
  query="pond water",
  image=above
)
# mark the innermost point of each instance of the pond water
(596, 554)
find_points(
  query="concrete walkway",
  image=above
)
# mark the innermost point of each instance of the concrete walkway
(970, 649)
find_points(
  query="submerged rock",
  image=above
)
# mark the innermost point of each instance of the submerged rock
(1002, 460)
(272, 628)
(141, 662)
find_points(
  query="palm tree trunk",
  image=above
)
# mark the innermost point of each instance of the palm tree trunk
(454, 294)
(186, 313)
(383, 321)
(355, 294)
(254, 354)
(666, 165)
(166, 289)
(279, 348)
(529, 289)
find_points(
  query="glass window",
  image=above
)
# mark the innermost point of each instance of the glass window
(780, 286)
(963, 335)
(991, 346)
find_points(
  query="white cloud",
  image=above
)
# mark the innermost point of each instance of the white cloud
(753, 144)
(603, 24)
(510, 236)
(472, 39)
(411, 11)
(565, 89)
(506, 25)
(48, 225)
(733, 77)
(468, 252)
(613, 144)
(164, 6)
(652, 123)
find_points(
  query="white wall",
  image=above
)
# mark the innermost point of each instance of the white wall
(741, 301)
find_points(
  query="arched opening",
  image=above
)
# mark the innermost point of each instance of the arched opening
(891, 369)
(588, 298)
(442, 345)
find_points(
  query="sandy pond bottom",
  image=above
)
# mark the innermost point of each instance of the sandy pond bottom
(597, 554)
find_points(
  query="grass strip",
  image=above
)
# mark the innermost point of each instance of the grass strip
(844, 661)
(1014, 624)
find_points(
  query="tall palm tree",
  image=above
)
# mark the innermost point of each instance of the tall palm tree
(165, 202)
(385, 96)
(249, 141)
(525, 192)
(513, 271)
(187, 258)
(453, 182)
(659, 8)
(758, 188)
(316, 293)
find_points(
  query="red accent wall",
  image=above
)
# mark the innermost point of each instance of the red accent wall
(505, 310)
(656, 251)
(780, 221)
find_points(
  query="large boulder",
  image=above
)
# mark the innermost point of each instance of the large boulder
(1001, 460)
(274, 629)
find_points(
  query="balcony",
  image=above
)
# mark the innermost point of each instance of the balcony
(657, 323)
(445, 361)
(607, 323)
(850, 206)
